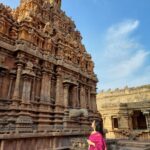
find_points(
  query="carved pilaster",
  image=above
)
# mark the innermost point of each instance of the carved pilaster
(66, 91)
(46, 86)
(147, 117)
(43, 96)
(82, 97)
(34, 84)
(28, 76)
(1, 81)
(58, 89)
(10, 86)
(75, 97)
(17, 83)
(26, 89)
(49, 86)
(89, 99)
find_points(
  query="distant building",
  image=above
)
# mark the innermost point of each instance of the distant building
(126, 112)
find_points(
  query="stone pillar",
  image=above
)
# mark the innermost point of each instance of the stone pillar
(123, 122)
(93, 102)
(130, 122)
(49, 87)
(59, 104)
(108, 123)
(75, 97)
(66, 91)
(82, 97)
(17, 83)
(33, 88)
(147, 117)
(78, 103)
(46, 87)
(148, 121)
(58, 92)
(26, 89)
(43, 86)
(10, 86)
(1, 82)
(89, 99)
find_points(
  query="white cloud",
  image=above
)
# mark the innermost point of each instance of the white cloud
(129, 65)
(122, 57)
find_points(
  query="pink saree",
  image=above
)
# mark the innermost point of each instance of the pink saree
(99, 141)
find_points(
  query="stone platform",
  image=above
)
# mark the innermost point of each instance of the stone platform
(128, 145)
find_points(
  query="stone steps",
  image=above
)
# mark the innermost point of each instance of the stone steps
(133, 145)
(133, 148)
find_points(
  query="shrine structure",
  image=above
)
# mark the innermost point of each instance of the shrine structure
(47, 83)
(126, 113)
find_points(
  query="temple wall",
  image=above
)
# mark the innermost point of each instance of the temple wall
(41, 142)
(126, 112)
(47, 79)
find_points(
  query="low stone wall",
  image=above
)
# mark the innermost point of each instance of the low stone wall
(127, 145)
(141, 135)
(43, 142)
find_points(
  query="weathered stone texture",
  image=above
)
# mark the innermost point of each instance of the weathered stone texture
(126, 112)
(44, 72)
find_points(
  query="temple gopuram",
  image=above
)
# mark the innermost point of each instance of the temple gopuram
(47, 83)
(126, 113)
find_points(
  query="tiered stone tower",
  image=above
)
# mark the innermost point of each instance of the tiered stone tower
(47, 83)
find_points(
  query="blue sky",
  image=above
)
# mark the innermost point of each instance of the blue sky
(116, 33)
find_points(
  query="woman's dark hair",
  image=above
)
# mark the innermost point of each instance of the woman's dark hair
(99, 126)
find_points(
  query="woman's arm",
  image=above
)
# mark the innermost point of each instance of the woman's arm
(91, 143)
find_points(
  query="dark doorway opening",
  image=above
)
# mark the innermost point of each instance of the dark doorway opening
(138, 120)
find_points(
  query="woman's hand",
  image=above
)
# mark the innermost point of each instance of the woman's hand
(91, 143)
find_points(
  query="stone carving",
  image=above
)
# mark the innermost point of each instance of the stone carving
(79, 144)
(44, 47)
(78, 113)
(48, 28)
(29, 69)
(132, 105)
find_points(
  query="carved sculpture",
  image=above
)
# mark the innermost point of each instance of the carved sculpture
(78, 113)
(39, 48)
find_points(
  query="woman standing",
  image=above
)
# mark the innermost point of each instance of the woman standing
(96, 140)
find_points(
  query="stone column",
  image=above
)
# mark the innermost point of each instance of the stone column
(59, 104)
(82, 97)
(108, 123)
(93, 102)
(17, 83)
(58, 92)
(1, 82)
(147, 117)
(10, 86)
(43, 86)
(33, 88)
(26, 89)
(46, 87)
(75, 97)
(148, 121)
(89, 99)
(123, 122)
(66, 91)
(49, 87)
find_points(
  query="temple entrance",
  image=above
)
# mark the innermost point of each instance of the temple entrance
(138, 120)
